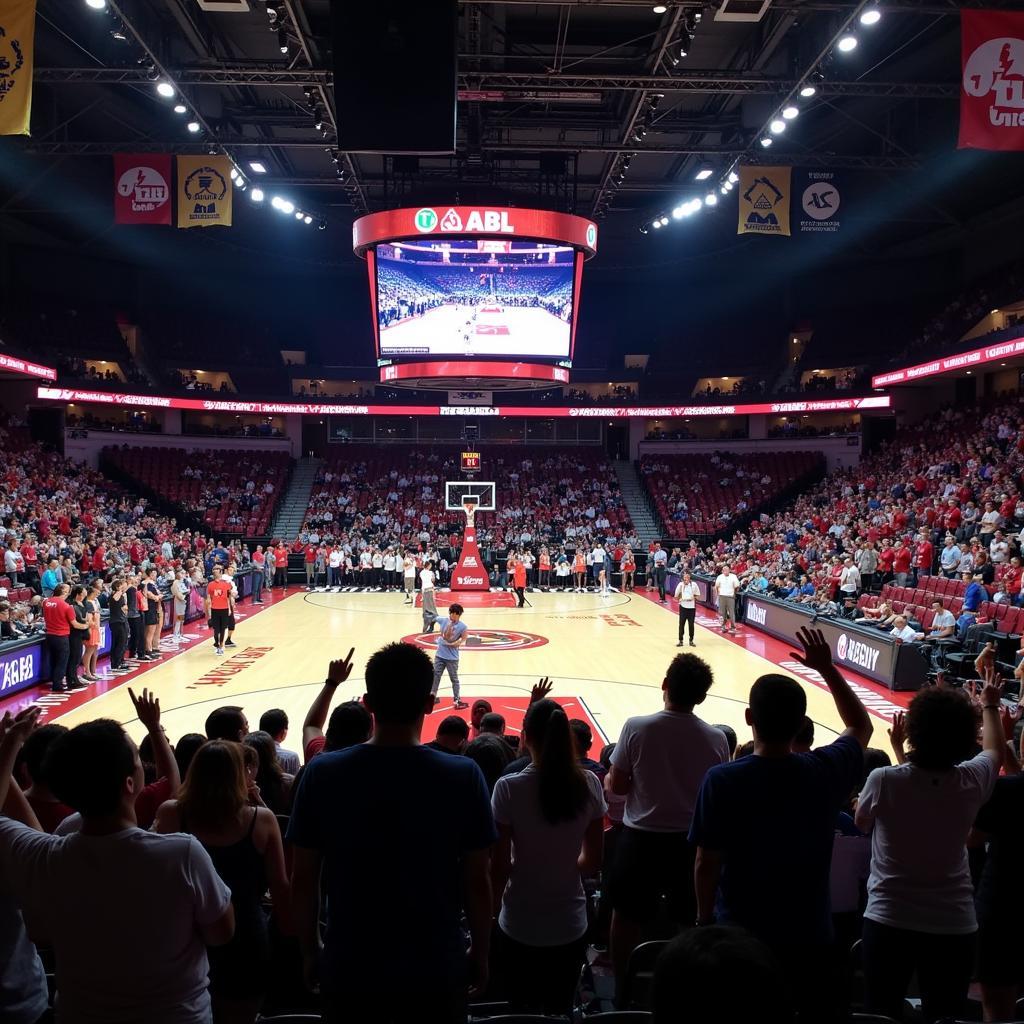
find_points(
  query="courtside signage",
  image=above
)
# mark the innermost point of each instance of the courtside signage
(13, 365)
(976, 357)
(558, 412)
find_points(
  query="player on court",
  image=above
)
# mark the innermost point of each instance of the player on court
(219, 606)
(429, 604)
(453, 635)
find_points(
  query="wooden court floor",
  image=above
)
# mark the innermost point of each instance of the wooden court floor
(609, 652)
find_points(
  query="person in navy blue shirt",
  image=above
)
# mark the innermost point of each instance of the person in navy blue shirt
(405, 834)
(764, 825)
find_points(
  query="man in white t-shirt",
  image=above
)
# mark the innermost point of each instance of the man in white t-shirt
(726, 586)
(903, 632)
(849, 579)
(334, 560)
(686, 594)
(409, 572)
(427, 597)
(658, 765)
(390, 564)
(90, 895)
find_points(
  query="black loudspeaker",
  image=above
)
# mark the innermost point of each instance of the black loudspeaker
(395, 85)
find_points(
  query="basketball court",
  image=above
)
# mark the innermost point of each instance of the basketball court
(606, 657)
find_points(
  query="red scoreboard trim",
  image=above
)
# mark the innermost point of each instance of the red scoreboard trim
(976, 357)
(474, 222)
(474, 368)
(560, 412)
(13, 365)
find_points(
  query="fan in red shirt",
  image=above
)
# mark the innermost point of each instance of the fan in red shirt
(99, 559)
(901, 563)
(924, 553)
(59, 618)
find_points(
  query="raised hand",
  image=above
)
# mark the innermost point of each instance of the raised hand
(541, 690)
(340, 669)
(147, 707)
(817, 653)
(992, 691)
(898, 730)
(15, 730)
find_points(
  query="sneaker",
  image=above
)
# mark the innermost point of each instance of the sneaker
(459, 705)
(230, 643)
(218, 650)
(58, 689)
(692, 644)
(257, 602)
(680, 644)
(120, 671)
(79, 686)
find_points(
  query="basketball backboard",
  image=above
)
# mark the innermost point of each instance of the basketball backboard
(457, 492)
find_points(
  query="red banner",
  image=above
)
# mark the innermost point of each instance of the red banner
(976, 357)
(992, 86)
(470, 573)
(142, 188)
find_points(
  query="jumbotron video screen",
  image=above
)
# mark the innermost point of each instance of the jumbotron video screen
(475, 297)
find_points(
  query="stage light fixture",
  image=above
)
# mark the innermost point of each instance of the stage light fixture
(241, 184)
(308, 219)
(808, 91)
(193, 126)
(684, 44)
(151, 73)
(272, 13)
(118, 35)
(234, 174)
(872, 16)
(790, 112)
(704, 172)
(656, 224)
(256, 195)
(97, 5)
(847, 44)
(733, 177)
(710, 199)
(322, 226)
(257, 167)
(180, 108)
(766, 142)
(659, 8)
(165, 89)
(777, 127)
(678, 213)
(282, 41)
(299, 215)
(276, 202)
(287, 206)
(724, 190)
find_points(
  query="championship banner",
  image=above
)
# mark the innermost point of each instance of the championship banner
(17, 34)
(764, 200)
(142, 189)
(820, 197)
(204, 191)
(992, 86)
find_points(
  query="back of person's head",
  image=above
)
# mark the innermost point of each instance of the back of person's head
(349, 725)
(453, 728)
(185, 749)
(687, 680)
(87, 767)
(942, 729)
(743, 750)
(494, 723)
(33, 753)
(718, 973)
(804, 738)
(605, 757)
(562, 786)
(398, 681)
(269, 772)
(274, 721)
(874, 758)
(480, 708)
(227, 723)
(730, 737)
(215, 787)
(582, 735)
(492, 754)
(778, 705)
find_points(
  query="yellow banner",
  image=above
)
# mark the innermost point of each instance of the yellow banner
(764, 200)
(17, 33)
(204, 191)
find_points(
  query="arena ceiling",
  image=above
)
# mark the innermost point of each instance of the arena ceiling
(591, 107)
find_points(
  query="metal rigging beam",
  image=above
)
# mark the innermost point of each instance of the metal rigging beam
(691, 82)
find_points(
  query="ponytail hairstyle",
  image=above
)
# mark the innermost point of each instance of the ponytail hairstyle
(563, 788)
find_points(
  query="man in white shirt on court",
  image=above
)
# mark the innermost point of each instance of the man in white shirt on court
(686, 594)
(726, 586)
(427, 597)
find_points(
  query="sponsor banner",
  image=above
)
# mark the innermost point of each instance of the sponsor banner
(474, 368)
(204, 191)
(992, 80)
(142, 188)
(978, 356)
(496, 222)
(470, 397)
(470, 573)
(17, 49)
(11, 364)
(20, 668)
(764, 200)
(820, 198)
(557, 412)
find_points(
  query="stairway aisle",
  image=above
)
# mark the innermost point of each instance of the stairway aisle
(635, 497)
(291, 513)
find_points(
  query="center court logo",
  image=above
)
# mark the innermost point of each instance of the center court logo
(483, 640)
(425, 219)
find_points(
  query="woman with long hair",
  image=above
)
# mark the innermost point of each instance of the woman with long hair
(550, 819)
(79, 633)
(92, 638)
(244, 843)
(275, 784)
(920, 914)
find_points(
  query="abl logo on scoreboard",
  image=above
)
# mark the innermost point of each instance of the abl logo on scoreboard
(496, 221)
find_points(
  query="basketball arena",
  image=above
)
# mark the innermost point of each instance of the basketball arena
(511, 512)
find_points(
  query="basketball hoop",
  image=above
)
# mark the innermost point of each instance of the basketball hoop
(469, 507)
